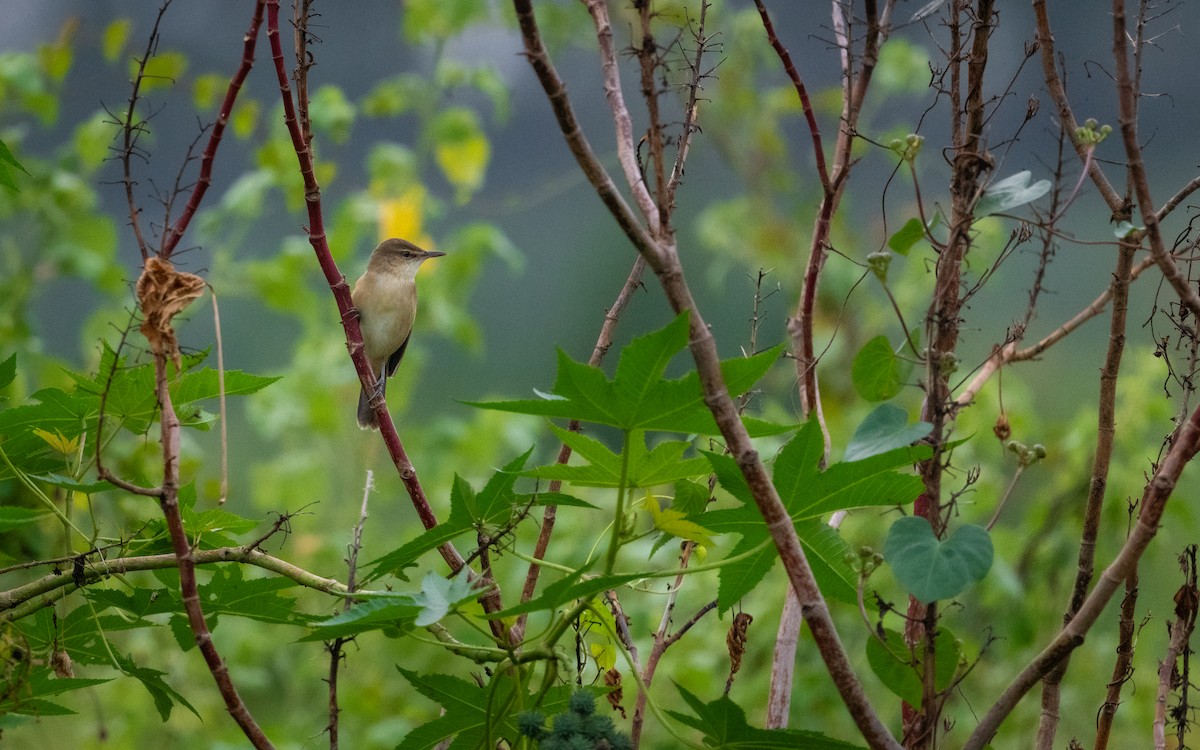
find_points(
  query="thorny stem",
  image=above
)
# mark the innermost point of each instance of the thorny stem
(250, 40)
(169, 502)
(131, 131)
(1122, 666)
(341, 294)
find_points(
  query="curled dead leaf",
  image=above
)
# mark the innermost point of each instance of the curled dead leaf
(162, 294)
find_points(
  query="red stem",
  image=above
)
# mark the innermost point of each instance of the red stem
(173, 235)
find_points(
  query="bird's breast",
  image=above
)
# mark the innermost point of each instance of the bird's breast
(388, 306)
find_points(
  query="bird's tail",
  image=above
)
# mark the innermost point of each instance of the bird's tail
(366, 415)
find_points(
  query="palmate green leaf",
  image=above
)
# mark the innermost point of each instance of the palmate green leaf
(56, 411)
(490, 508)
(933, 569)
(29, 697)
(899, 670)
(724, 726)
(638, 398)
(662, 465)
(465, 710)
(228, 592)
(130, 400)
(568, 589)
(85, 637)
(808, 493)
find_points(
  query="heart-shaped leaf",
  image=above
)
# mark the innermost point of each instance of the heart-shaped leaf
(877, 373)
(932, 569)
(884, 429)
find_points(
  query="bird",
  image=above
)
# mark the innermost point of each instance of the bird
(386, 299)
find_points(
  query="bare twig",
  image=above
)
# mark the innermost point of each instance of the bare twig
(1106, 430)
(1153, 502)
(172, 236)
(335, 646)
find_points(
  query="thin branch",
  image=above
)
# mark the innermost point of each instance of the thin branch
(1153, 502)
(131, 132)
(1106, 430)
(1066, 116)
(1127, 101)
(26, 599)
(250, 40)
(335, 647)
(626, 146)
(662, 257)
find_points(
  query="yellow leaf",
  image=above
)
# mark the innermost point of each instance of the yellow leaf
(464, 162)
(403, 216)
(59, 442)
(671, 521)
(604, 654)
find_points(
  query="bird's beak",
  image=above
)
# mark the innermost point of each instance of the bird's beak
(433, 254)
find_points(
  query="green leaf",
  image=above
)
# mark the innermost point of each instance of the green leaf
(228, 592)
(637, 399)
(8, 371)
(662, 465)
(877, 373)
(467, 710)
(932, 569)
(899, 670)
(1006, 194)
(116, 34)
(14, 518)
(441, 19)
(8, 162)
(1125, 228)
(568, 589)
(884, 429)
(723, 724)
(92, 139)
(462, 150)
(163, 69)
(488, 509)
(908, 235)
(332, 112)
(28, 699)
(395, 614)
(808, 493)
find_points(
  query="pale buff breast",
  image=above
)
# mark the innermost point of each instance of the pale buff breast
(388, 305)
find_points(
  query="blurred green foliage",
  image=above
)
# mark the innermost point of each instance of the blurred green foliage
(432, 145)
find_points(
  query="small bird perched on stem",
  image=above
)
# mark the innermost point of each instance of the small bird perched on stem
(386, 299)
